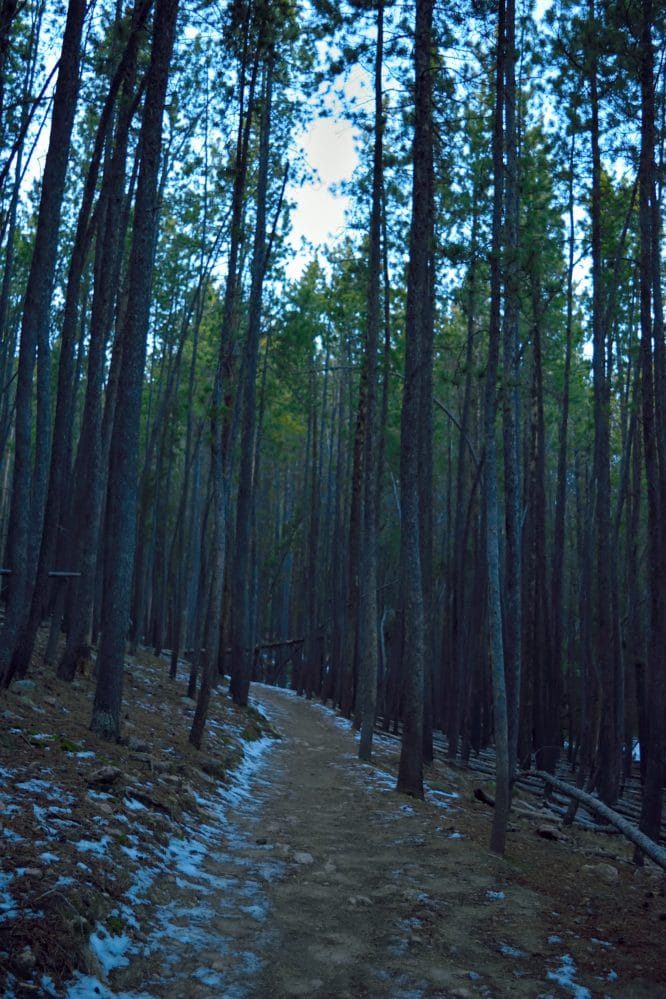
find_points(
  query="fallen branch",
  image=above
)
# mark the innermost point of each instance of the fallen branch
(483, 796)
(648, 846)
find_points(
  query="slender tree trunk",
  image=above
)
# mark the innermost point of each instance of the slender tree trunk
(88, 221)
(122, 488)
(369, 658)
(511, 418)
(29, 484)
(418, 348)
(222, 395)
(653, 369)
(242, 640)
(501, 718)
(607, 770)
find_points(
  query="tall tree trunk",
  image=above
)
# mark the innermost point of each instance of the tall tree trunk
(222, 394)
(511, 417)
(607, 769)
(29, 484)
(124, 454)
(653, 369)
(501, 718)
(418, 348)
(369, 657)
(242, 642)
(88, 221)
(556, 664)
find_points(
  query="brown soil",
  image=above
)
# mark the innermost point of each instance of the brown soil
(321, 882)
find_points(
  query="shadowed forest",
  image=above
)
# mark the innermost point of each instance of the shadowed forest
(418, 473)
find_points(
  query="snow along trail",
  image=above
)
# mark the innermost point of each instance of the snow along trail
(314, 878)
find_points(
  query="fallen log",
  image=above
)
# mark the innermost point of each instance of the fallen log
(648, 846)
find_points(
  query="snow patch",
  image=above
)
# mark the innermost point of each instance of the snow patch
(565, 974)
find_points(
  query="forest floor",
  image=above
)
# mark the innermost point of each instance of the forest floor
(274, 864)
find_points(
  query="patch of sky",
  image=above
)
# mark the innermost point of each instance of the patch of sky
(495, 895)
(564, 974)
(456, 835)
(99, 795)
(48, 985)
(49, 858)
(5, 773)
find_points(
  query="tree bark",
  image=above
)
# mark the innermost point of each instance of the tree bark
(369, 657)
(501, 719)
(644, 843)
(122, 488)
(418, 338)
(29, 482)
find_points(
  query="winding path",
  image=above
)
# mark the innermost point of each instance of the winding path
(327, 883)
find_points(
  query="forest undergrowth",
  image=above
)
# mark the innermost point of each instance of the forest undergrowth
(82, 820)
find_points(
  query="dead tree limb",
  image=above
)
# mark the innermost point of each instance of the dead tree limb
(648, 846)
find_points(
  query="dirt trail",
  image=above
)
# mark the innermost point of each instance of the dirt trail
(329, 884)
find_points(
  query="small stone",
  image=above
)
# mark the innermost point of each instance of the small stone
(603, 872)
(138, 745)
(548, 831)
(25, 961)
(33, 872)
(104, 777)
(24, 685)
(359, 900)
(301, 857)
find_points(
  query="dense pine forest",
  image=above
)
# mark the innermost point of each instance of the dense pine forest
(419, 473)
